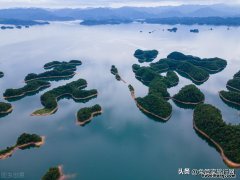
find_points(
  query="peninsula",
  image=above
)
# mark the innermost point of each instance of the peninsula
(207, 120)
(25, 140)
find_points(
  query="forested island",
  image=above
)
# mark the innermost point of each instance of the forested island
(189, 94)
(74, 90)
(48, 75)
(194, 68)
(155, 102)
(194, 30)
(232, 96)
(1, 74)
(29, 88)
(210, 64)
(24, 141)
(63, 63)
(85, 115)
(54, 173)
(208, 122)
(37, 82)
(234, 84)
(155, 105)
(145, 56)
(5, 108)
(60, 70)
(147, 74)
(114, 71)
(174, 29)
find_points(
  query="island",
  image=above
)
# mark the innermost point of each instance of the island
(145, 56)
(189, 94)
(234, 84)
(54, 173)
(194, 30)
(155, 106)
(48, 75)
(5, 108)
(74, 90)
(85, 115)
(6, 27)
(174, 29)
(208, 122)
(31, 87)
(230, 97)
(58, 63)
(194, 68)
(114, 71)
(1, 74)
(212, 65)
(24, 141)
(60, 70)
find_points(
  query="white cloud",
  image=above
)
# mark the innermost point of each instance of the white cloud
(105, 3)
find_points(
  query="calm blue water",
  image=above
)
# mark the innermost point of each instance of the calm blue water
(122, 143)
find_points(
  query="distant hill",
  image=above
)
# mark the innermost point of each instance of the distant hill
(30, 14)
(21, 22)
(186, 14)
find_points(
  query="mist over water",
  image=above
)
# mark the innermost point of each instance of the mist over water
(122, 143)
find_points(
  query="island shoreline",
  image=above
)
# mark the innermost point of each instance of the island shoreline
(224, 157)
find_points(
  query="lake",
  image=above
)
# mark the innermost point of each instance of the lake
(122, 143)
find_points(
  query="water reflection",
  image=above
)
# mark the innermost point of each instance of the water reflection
(122, 137)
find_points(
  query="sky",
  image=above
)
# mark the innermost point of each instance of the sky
(106, 3)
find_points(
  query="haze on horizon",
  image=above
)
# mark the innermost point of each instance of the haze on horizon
(107, 3)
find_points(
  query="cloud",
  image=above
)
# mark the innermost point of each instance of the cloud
(105, 3)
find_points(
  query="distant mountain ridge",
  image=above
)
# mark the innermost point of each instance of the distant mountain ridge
(186, 14)
(218, 10)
